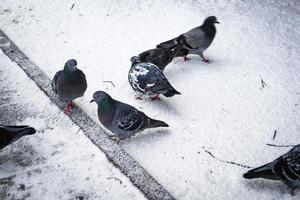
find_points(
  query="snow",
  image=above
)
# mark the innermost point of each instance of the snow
(59, 161)
(223, 107)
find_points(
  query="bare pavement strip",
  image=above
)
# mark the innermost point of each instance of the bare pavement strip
(122, 160)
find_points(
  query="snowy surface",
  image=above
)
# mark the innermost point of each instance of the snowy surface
(58, 162)
(223, 107)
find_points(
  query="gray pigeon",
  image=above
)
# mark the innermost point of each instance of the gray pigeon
(285, 168)
(10, 134)
(195, 41)
(147, 79)
(69, 83)
(122, 119)
(160, 57)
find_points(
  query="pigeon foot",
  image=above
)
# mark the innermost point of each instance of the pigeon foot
(155, 98)
(206, 60)
(139, 98)
(186, 58)
(68, 109)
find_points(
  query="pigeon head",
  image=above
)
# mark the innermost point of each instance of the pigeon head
(70, 65)
(103, 100)
(211, 20)
(29, 130)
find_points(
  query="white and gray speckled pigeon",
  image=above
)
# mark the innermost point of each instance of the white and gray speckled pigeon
(195, 41)
(69, 83)
(10, 134)
(285, 168)
(122, 119)
(147, 79)
(160, 57)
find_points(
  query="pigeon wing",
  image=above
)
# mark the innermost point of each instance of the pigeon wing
(128, 118)
(55, 79)
(288, 165)
(194, 38)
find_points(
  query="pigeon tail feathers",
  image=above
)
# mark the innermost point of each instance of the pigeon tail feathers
(171, 93)
(169, 44)
(264, 171)
(156, 123)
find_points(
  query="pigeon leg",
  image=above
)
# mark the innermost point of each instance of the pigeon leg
(68, 109)
(155, 98)
(114, 138)
(292, 189)
(204, 59)
(186, 58)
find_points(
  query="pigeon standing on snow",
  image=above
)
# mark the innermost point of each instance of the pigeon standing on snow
(285, 168)
(69, 83)
(160, 57)
(195, 41)
(9, 134)
(147, 79)
(122, 119)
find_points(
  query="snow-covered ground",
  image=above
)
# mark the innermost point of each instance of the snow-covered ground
(58, 162)
(223, 107)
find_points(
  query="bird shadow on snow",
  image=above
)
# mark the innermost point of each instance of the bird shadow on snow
(165, 103)
(269, 186)
(178, 65)
(147, 136)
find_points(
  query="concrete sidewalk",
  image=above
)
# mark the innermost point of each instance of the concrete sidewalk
(59, 161)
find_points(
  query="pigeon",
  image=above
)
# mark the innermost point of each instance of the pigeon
(10, 134)
(160, 57)
(285, 168)
(195, 41)
(69, 83)
(122, 119)
(147, 79)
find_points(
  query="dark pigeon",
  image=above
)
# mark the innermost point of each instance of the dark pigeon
(69, 83)
(10, 134)
(285, 168)
(122, 119)
(147, 79)
(195, 41)
(160, 57)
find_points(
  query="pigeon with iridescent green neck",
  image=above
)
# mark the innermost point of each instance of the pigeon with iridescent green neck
(10, 134)
(69, 83)
(122, 119)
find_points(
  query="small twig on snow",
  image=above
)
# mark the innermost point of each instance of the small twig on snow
(275, 132)
(72, 6)
(109, 82)
(263, 83)
(78, 130)
(115, 179)
(229, 162)
(275, 145)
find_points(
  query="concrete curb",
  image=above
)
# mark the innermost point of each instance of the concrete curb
(122, 160)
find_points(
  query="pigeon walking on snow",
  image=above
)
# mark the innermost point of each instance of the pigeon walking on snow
(69, 83)
(195, 41)
(147, 79)
(122, 119)
(285, 168)
(160, 57)
(10, 134)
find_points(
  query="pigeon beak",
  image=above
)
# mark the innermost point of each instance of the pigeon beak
(92, 100)
(217, 22)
